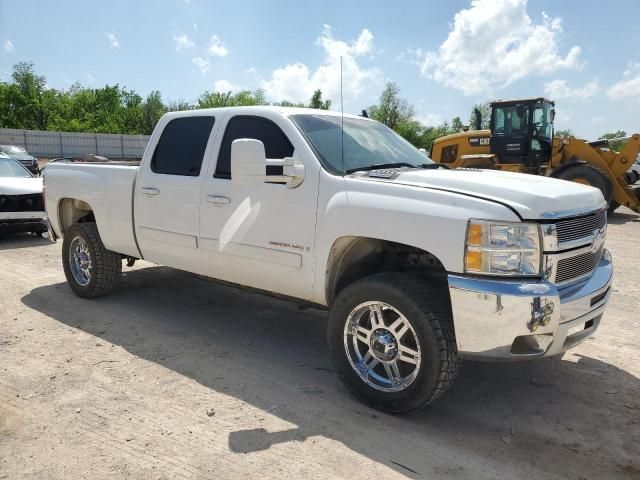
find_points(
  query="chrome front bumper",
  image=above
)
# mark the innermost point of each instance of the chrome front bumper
(51, 234)
(519, 319)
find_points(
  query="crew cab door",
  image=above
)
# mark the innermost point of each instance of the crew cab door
(168, 188)
(261, 236)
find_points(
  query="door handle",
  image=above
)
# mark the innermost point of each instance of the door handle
(150, 191)
(218, 200)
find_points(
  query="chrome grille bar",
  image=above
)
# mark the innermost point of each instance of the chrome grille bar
(575, 228)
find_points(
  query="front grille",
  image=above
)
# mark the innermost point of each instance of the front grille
(21, 203)
(574, 267)
(598, 298)
(581, 227)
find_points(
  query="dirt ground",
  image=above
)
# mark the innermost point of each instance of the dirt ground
(173, 376)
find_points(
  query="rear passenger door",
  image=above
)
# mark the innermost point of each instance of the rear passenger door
(167, 192)
(261, 235)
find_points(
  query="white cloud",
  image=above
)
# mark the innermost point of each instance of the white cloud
(8, 46)
(297, 82)
(217, 48)
(113, 40)
(90, 79)
(224, 86)
(629, 86)
(431, 119)
(182, 41)
(562, 118)
(494, 43)
(556, 89)
(202, 63)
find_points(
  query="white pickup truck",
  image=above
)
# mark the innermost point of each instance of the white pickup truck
(419, 266)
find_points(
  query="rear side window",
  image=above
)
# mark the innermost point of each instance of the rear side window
(276, 143)
(181, 147)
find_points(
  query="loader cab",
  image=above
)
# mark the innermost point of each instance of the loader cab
(522, 132)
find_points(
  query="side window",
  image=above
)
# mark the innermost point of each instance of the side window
(181, 147)
(499, 120)
(276, 143)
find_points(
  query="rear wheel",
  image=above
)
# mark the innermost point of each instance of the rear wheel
(90, 268)
(392, 342)
(589, 175)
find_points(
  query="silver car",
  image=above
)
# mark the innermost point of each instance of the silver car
(21, 155)
(21, 200)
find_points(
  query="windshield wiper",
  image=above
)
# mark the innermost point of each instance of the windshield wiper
(379, 166)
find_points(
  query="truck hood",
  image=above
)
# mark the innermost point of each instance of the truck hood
(20, 186)
(533, 197)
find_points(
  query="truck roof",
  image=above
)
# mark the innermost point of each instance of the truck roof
(261, 109)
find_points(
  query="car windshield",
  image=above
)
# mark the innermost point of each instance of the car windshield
(12, 149)
(366, 143)
(11, 168)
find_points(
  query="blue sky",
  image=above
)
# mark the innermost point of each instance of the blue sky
(445, 56)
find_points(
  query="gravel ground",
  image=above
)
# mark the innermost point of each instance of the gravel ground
(173, 376)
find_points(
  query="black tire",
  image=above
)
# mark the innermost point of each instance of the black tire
(613, 206)
(428, 313)
(106, 266)
(590, 174)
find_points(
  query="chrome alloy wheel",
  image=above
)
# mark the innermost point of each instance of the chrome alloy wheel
(80, 261)
(382, 346)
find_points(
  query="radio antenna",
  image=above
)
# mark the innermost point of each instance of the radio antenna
(341, 120)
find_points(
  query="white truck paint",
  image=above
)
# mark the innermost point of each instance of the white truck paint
(296, 239)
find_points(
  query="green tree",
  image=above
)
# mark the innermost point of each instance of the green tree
(230, 99)
(616, 145)
(318, 103)
(152, 110)
(393, 111)
(456, 125)
(287, 103)
(26, 102)
(563, 133)
(179, 105)
(485, 116)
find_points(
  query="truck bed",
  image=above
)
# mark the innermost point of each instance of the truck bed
(107, 187)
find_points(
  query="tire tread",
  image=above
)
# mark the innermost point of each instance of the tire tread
(107, 267)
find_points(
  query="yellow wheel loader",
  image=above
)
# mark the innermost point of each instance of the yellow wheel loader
(520, 139)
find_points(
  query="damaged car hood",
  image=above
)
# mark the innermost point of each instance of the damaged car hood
(20, 186)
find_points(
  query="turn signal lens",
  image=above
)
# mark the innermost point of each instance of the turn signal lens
(475, 234)
(473, 261)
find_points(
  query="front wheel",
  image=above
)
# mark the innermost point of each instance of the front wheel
(90, 268)
(392, 342)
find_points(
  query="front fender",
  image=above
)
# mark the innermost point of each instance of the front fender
(431, 220)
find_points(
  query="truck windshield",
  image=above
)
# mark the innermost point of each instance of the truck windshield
(366, 143)
(11, 168)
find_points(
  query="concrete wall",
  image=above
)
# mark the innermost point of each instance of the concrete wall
(65, 144)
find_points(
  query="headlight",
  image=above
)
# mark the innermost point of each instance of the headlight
(502, 248)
